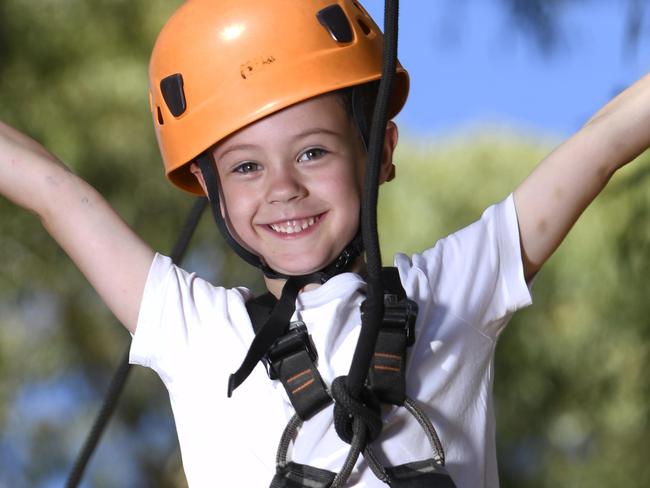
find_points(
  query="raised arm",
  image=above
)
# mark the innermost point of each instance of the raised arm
(105, 249)
(554, 195)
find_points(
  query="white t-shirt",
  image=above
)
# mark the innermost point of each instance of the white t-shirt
(194, 335)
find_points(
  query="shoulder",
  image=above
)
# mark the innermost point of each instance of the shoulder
(475, 273)
(165, 278)
(495, 234)
(182, 313)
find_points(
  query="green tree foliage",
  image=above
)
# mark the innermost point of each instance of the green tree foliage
(73, 74)
(572, 393)
(572, 397)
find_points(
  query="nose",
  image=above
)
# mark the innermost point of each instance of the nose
(284, 185)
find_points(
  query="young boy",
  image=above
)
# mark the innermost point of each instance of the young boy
(255, 87)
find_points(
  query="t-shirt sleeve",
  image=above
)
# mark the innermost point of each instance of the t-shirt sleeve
(476, 274)
(179, 313)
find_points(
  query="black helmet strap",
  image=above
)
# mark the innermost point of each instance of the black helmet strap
(359, 116)
(206, 163)
(280, 316)
(353, 249)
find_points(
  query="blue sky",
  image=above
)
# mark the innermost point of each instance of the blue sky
(475, 69)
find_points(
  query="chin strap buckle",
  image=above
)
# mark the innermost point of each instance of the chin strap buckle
(345, 259)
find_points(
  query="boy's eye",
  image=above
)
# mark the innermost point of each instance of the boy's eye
(312, 153)
(247, 167)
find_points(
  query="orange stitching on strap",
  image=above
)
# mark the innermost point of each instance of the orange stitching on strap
(387, 368)
(298, 375)
(388, 356)
(303, 386)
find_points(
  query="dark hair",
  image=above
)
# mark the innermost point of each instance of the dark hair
(359, 104)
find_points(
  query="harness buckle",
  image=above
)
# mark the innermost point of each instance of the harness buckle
(387, 374)
(295, 340)
(400, 313)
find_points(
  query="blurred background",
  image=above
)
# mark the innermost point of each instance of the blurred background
(496, 84)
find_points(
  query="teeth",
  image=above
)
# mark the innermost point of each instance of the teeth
(293, 226)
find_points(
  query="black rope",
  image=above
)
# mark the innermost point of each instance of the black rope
(187, 231)
(373, 307)
(366, 410)
(120, 376)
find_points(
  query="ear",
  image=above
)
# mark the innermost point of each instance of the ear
(387, 172)
(198, 174)
(195, 169)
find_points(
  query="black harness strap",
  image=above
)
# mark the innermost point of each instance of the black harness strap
(386, 375)
(294, 475)
(292, 359)
(418, 474)
(274, 327)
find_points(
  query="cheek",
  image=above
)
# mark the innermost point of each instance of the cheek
(354, 187)
(346, 193)
(348, 179)
(342, 191)
(237, 208)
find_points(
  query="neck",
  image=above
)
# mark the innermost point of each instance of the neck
(275, 285)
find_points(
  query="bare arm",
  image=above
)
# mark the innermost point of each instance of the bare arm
(105, 249)
(554, 195)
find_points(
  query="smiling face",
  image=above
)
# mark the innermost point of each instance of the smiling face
(291, 184)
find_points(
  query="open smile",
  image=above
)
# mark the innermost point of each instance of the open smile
(295, 226)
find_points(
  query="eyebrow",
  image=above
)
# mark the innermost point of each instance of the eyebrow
(238, 147)
(315, 131)
(299, 135)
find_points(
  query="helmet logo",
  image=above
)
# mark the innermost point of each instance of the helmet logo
(173, 94)
(333, 18)
(248, 68)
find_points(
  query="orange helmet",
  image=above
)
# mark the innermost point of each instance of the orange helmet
(219, 65)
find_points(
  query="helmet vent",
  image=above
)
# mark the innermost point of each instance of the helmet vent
(161, 121)
(333, 18)
(173, 94)
(364, 27)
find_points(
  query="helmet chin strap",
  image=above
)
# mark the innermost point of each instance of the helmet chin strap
(280, 316)
(206, 163)
(339, 265)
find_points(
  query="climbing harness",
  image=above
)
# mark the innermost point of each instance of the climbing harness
(292, 360)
